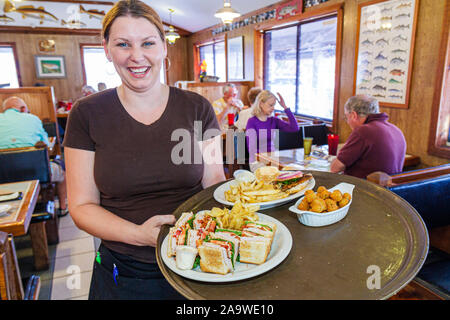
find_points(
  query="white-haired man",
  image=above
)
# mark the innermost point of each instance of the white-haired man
(229, 103)
(19, 128)
(374, 144)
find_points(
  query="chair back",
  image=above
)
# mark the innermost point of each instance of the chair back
(319, 133)
(21, 164)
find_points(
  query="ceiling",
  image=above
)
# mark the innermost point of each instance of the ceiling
(190, 15)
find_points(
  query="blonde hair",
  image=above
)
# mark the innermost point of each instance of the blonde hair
(263, 96)
(133, 8)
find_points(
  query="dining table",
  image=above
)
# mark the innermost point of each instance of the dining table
(16, 221)
(372, 253)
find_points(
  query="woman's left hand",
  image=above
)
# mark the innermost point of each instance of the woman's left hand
(281, 101)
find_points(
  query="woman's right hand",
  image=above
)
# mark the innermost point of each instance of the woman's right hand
(149, 230)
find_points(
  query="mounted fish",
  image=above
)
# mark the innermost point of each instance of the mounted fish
(92, 13)
(30, 11)
(4, 18)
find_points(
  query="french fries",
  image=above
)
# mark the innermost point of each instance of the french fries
(236, 217)
(253, 192)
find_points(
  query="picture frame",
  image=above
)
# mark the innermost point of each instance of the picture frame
(384, 50)
(50, 66)
(235, 58)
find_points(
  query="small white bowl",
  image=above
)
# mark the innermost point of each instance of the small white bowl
(314, 219)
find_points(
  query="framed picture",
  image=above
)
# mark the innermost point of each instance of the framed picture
(384, 51)
(48, 67)
(235, 58)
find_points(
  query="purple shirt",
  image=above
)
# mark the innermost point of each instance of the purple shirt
(377, 145)
(260, 134)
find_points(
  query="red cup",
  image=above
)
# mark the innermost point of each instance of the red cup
(69, 106)
(230, 119)
(333, 141)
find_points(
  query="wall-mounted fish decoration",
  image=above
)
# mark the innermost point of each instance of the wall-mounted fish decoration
(386, 18)
(397, 72)
(395, 90)
(378, 96)
(6, 19)
(386, 10)
(396, 96)
(29, 11)
(73, 23)
(382, 42)
(364, 88)
(380, 56)
(397, 60)
(92, 13)
(404, 5)
(366, 54)
(401, 27)
(383, 29)
(379, 88)
(367, 42)
(365, 62)
(399, 39)
(368, 31)
(366, 72)
(395, 81)
(380, 68)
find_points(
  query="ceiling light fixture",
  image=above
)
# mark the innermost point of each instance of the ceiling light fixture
(227, 13)
(171, 35)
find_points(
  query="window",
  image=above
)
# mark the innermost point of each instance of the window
(9, 77)
(300, 64)
(214, 55)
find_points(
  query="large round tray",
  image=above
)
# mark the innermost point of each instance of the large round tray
(382, 235)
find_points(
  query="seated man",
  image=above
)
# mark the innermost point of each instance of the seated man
(374, 144)
(21, 129)
(246, 114)
(229, 103)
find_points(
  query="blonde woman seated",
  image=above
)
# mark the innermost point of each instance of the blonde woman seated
(262, 127)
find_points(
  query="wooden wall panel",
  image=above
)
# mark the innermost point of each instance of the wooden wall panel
(214, 90)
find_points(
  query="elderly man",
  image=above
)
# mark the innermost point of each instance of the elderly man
(18, 129)
(229, 103)
(374, 144)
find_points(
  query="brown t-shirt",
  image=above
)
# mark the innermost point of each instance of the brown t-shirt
(137, 167)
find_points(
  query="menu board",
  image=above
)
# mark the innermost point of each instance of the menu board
(385, 47)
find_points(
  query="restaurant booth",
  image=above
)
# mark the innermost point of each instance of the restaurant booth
(316, 54)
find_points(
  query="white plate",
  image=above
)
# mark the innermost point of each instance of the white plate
(4, 209)
(281, 246)
(219, 195)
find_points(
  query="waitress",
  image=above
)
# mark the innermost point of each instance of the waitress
(123, 178)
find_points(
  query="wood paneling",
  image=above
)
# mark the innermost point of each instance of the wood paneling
(414, 121)
(66, 45)
(214, 90)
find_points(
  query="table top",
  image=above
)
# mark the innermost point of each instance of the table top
(19, 217)
(381, 230)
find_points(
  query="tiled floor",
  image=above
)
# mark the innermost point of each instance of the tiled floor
(71, 264)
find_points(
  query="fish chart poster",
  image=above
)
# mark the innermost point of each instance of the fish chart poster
(385, 48)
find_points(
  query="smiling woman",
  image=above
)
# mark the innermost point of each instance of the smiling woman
(123, 184)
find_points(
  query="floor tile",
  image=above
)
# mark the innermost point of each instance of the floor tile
(83, 261)
(71, 287)
(73, 247)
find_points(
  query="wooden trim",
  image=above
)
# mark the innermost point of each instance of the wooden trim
(258, 55)
(226, 56)
(16, 58)
(218, 84)
(442, 92)
(81, 2)
(337, 69)
(411, 53)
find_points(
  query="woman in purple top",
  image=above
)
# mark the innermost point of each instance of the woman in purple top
(262, 127)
